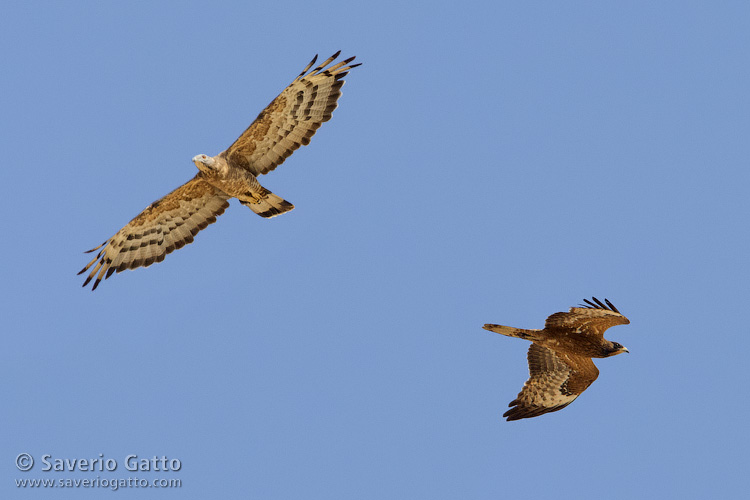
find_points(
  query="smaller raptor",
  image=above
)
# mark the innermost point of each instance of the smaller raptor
(560, 365)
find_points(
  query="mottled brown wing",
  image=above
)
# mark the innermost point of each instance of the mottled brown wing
(164, 226)
(291, 119)
(593, 319)
(555, 381)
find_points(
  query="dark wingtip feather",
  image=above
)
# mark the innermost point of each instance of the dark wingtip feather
(95, 248)
(599, 302)
(611, 306)
(309, 65)
(599, 305)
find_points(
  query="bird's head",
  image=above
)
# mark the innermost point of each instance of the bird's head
(206, 163)
(616, 349)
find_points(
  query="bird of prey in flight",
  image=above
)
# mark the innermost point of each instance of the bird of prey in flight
(171, 222)
(560, 365)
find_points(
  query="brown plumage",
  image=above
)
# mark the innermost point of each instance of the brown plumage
(172, 221)
(560, 365)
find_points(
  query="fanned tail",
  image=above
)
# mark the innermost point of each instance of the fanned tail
(268, 205)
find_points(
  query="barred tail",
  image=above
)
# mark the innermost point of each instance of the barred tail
(268, 205)
(512, 332)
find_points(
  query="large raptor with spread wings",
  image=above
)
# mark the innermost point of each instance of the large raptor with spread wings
(560, 365)
(171, 222)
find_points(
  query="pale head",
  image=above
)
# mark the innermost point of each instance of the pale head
(206, 163)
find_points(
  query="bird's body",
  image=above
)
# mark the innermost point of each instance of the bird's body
(560, 365)
(241, 184)
(171, 222)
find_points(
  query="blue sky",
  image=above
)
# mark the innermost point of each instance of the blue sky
(490, 162)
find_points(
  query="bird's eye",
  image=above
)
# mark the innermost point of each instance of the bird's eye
(204, 156)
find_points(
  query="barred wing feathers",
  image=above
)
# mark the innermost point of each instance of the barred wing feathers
(291, 119)
(592, 319)
(164, 226)
(555, 381)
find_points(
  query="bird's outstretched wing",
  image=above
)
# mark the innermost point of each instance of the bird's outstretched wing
(591, 319)
(164, 226)
(555, 381)
(291, 119)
